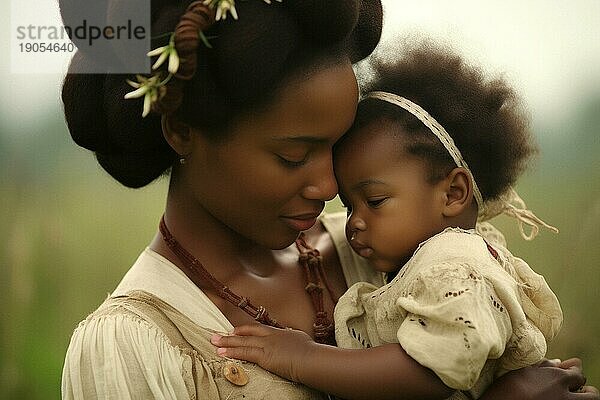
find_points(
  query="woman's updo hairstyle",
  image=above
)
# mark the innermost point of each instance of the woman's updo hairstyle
(250, 59)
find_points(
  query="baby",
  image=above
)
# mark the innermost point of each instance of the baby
(434, 152)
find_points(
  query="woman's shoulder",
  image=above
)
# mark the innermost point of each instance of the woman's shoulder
(145, 313)
(118, 353)
(118, 322)
(137, 346)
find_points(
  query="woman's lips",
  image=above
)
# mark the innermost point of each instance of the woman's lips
(300, 222)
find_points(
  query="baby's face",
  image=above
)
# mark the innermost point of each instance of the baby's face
(391, 205)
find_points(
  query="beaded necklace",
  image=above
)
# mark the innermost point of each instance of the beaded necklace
(312, 265)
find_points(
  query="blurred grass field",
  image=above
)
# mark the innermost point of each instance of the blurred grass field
(69, 233)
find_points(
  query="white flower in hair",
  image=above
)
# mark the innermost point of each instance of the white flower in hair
(223, 7)
(147, 87)
(165, 52)
(153, 88)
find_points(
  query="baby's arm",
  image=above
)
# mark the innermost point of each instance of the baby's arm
(386, 371)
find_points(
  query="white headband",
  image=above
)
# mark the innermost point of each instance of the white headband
(438, 130)
(510, 203)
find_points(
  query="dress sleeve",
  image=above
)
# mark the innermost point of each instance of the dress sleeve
(121, 356)
(454, 323)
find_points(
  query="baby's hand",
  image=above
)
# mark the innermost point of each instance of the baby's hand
(280, 351)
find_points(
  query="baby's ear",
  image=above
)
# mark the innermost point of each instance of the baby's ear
(177, 134)
(459, 192)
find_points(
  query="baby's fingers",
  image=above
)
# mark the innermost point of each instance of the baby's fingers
(251, 354)
(236, 341)
(240, 347)
(254, 330)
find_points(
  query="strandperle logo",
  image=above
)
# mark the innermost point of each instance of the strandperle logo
(85, 31)
(113, 37)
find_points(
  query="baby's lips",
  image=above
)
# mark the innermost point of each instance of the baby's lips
(361, 249)
(366, 252)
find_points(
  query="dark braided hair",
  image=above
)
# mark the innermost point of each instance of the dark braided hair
(483, 116)
(251, 58)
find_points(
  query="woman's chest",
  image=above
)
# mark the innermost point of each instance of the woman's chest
(291, 295)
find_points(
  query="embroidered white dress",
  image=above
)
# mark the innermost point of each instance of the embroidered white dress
(128, 349)
(467, 312)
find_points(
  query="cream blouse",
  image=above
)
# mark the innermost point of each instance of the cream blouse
(151, 338)
(467, 311)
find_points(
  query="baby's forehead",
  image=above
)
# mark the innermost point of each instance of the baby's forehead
(372, 139)
(366, 150)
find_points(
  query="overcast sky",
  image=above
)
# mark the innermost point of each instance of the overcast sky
(549, 49)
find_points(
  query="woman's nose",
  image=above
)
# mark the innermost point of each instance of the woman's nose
(321, 184)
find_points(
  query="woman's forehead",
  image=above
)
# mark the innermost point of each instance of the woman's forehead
(321, 107)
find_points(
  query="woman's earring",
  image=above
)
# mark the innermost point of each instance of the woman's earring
(182, 160)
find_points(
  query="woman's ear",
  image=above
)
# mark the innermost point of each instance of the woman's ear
(459, 192)
(177, 134)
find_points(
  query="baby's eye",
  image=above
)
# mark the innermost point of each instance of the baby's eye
(376, 202)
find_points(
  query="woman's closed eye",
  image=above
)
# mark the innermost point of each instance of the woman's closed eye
(293, 162)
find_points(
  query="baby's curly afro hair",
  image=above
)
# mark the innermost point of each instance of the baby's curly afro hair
(484, 116)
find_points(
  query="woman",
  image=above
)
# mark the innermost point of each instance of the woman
(246, 129)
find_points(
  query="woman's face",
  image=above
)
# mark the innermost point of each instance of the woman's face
(270, 178)
(392, 205)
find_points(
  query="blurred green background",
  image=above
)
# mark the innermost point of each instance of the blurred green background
(69, 232)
